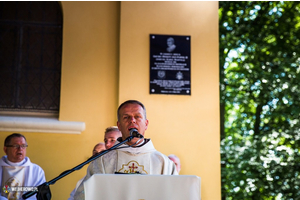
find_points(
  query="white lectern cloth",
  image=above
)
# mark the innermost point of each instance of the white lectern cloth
(142, 187)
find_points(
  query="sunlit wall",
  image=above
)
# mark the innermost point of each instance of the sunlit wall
(105, 61)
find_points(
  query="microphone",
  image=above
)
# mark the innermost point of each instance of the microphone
(134, 132)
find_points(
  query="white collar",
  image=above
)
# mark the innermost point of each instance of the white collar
(14, 163)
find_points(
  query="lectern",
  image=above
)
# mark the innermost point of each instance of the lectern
(142, 187)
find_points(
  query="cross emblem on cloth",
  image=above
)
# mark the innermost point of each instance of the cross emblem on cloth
(132, 168)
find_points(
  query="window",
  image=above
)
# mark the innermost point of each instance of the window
(30, 56)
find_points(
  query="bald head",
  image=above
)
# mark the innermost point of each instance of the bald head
(98, 147)
(176, 161)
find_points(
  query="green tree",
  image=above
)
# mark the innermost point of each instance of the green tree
(260, 99)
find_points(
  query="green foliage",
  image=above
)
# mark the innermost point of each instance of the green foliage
(260, 99)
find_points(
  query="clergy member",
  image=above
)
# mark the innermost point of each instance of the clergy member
(97, 148)
(111, 135)
(176, 161)
(136, 156)
(16, 171)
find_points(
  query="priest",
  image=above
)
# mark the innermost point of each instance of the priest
(18, 174)
(137, 156)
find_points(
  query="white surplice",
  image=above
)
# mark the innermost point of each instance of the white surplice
(24, 173)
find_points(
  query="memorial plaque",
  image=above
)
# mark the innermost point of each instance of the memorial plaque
(170, 64)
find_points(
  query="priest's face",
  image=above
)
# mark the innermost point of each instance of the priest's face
(132, 116)
(16, 151)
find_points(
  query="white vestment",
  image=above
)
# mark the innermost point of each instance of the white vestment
(34, 174)
(144, 159)
(73, 191)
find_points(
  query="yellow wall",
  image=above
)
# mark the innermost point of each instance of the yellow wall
(106, 61)
(185, 125)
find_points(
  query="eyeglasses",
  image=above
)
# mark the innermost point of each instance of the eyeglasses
(16, 146)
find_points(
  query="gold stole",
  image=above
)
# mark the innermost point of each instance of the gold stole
(12, 176)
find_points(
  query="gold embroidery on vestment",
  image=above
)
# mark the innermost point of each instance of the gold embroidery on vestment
(133, 167)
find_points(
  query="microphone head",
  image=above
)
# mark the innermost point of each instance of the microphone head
(134, 132)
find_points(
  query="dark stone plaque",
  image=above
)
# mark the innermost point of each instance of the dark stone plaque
(170, 64)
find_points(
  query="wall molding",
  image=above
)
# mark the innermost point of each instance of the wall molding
(41, 125)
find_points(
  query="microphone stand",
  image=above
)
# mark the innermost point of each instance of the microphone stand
(43, 190)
